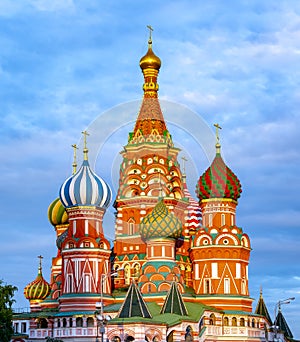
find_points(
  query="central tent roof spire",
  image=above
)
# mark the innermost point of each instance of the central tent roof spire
(150, 120)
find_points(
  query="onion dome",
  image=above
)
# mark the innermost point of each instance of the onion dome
(150, 60)
(85, 188)
(160, 223)
(218, 181)
(57, 213)
(38, 289)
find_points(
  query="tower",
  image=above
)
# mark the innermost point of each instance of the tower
(220, 249)
(85, 252)
(149, 169)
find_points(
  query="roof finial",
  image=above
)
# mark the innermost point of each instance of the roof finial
(150, 34)
(74, 161)
(85, 149)
(218, 145)
(184, 160)
(40, 264)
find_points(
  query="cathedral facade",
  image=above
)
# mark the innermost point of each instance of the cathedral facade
(178, 267)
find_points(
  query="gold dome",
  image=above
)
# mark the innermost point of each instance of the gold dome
(150, 60)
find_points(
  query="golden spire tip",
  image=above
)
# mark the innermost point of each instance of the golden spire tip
(74, 160)
(150, 34)
(85, 149)
(218, 145)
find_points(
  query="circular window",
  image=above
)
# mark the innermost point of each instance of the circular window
(226, 242)
(205, 242)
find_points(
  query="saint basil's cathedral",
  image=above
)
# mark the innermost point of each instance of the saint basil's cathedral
(178, 268)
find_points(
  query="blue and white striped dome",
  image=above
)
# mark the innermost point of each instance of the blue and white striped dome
(85, 188)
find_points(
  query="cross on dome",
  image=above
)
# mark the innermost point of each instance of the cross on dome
(218, 145)
(74, 161)
(85, 149)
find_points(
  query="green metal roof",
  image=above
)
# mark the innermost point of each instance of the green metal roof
(174, 303)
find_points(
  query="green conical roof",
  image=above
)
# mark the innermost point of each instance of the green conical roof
(261, 308)
(282, 324)
(134, 304)
(174, 303)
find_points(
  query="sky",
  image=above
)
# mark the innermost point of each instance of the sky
(67, 66)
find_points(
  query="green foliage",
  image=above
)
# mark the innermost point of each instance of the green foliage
(50, 339)
(6, 313)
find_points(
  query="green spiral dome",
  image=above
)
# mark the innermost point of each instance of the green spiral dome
(160, 223)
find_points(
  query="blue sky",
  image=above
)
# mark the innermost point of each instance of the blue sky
(65, 64)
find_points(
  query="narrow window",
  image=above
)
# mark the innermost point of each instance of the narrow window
(207, 286)
(214, 270)
(223, 220)
(210, 220)
(86, 227)
(74, 227)
(87, 283)
(238, 270)
(131, 228)
(70, 283)
(226, 286)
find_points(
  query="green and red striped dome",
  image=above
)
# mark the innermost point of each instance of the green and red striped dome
(218, 181)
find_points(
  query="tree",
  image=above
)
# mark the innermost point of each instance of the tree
(6, 313)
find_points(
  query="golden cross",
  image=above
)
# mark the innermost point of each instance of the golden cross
(183, 164)
(150, 31)
(74, 162)
(40, 265)
(217, 131)
(85, 133)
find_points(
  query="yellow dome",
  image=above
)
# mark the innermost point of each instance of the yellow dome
(38, 289)
(57, 213)
(150, 60)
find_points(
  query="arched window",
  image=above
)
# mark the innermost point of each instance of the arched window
(210, 220)
(129, 339)
(207, 286)
(136, 269)
(212, 319)
(116, 339)
(87, 283)
(242, 322)
(243, 287)
(70, 283)
(90, 322)
(71, 322)
(58, 323)
(127, 274)
(222, 219)
(226, 321)
(188, 334)
(64, 322)
(79, 322)
(234, 321)
(253, 323)
(226, 285)
(43, 323)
